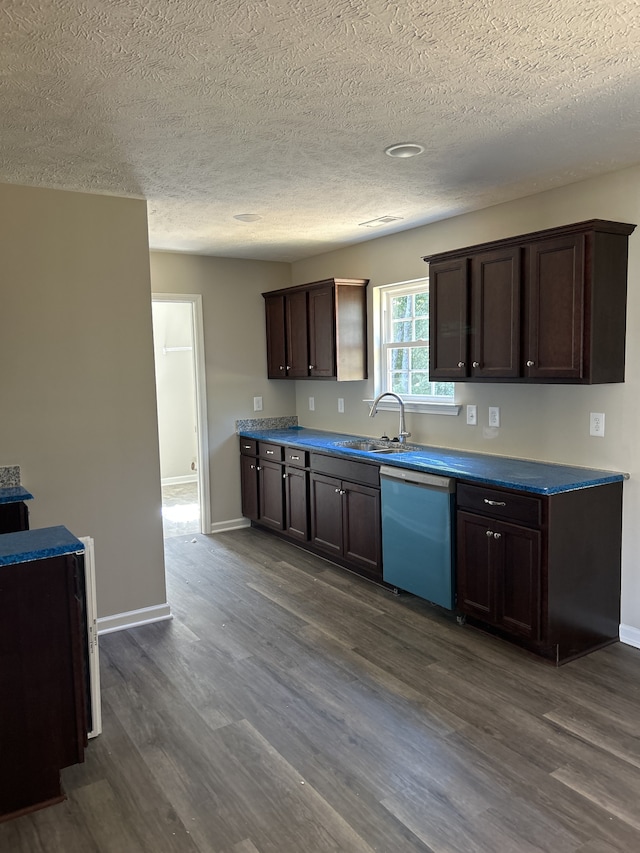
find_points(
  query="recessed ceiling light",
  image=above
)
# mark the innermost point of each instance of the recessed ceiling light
(404, 149)
(248, 217)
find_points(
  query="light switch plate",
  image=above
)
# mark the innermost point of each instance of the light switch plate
(257, 404)
(472, 415)
(341, 405)
(312, 404)
(494, 416)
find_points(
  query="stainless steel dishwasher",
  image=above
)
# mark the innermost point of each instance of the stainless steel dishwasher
(417, 533)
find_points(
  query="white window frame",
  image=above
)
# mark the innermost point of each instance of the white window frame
(431, 405)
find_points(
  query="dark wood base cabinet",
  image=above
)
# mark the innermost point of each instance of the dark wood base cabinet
(14, 517)
(43, 712)
(328, 505)
(541, 571)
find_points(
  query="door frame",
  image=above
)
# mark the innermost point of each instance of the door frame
(197, 329)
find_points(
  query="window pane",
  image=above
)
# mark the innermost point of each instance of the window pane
(422, 304)
(400, 383)
(420, 358)
(422, 330)
(443, 389)
(402, 331)
(399, 359)
(420, 384)
(401, 306)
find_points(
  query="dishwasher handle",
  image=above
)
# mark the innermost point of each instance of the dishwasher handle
(418, 478)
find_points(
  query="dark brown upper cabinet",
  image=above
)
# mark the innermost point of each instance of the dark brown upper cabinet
(543, 307)
(318, 330)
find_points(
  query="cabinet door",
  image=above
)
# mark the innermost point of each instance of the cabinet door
(495, 324)
(249, 486)
(449, 320)
(296, 486)
(322, 332)
(361, 527)
(276, 347)
(271, 490)
(14, 517)
(297, 334)
(518, 579)
(326, 513)
(475, 576)
(555, 305)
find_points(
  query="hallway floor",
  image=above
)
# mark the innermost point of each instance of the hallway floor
(180, 510)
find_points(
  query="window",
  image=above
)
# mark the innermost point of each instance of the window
(404, 344)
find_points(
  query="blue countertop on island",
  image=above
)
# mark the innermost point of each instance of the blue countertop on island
(14, 494)
(27, 545)
(542, 478)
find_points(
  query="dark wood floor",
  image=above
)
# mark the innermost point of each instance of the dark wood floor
(291, 707)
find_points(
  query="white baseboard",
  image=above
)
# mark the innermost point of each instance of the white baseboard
(232, 524)
(134, 618)
(177, 481)
(630, 635)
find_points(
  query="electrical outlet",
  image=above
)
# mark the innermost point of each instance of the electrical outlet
(596, 424)
(341, 405)
(312, 404)
(472, 415)
(494, 416)
(257, 404)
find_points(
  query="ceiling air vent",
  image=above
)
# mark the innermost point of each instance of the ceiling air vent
(382, 220)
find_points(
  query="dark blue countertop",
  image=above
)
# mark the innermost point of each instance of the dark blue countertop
(27, 545)
(541, 478)
(14, 494)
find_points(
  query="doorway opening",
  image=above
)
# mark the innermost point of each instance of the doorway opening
(182, 413)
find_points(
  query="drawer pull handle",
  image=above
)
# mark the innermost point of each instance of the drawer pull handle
(270, 452)
(295, 457)
(246, 447)
(495, 503)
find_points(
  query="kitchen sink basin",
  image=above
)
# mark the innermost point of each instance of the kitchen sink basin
(373, 446)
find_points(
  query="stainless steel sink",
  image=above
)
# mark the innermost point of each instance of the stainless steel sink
(373, 446)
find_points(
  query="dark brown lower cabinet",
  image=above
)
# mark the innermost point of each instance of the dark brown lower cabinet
(543, 571)
(296, 500)
(499, 574)
(271, 494)
(43, 712)
(345, 522)
(14, 517)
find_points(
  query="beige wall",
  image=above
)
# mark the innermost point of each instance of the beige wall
(76, 380)
(538, 422)
(235, 362)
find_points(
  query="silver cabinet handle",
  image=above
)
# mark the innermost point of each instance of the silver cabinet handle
(258, 468)
(476, 364)
(489, 533)
(343, 491)
(252, 467)
(495, 503)
(282, 367)
(497, 535)
(461, 364)
(311, 366)
(246, 447)
(295, 457)
(337, 491)
(288, 367)
(270, 452)
(284, 476)
(530, 363)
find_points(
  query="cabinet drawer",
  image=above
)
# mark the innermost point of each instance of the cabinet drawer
(270, 451)
(248, 446)
(500, 504)
(346, 469)
(296, 458)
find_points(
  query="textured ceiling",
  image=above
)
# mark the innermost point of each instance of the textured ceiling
(283, 108)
